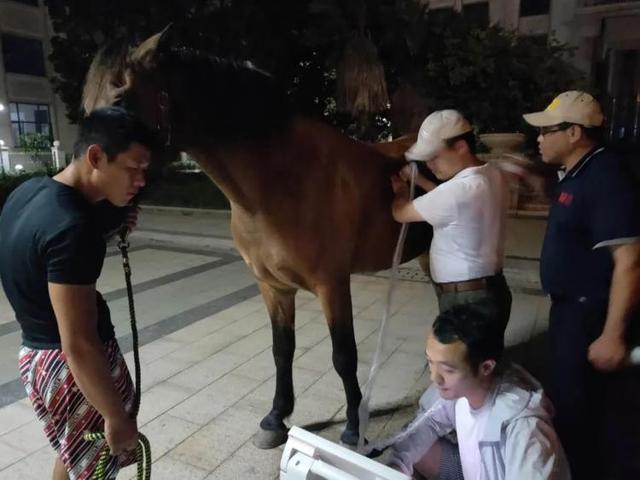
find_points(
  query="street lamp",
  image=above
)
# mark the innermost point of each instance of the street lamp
(1, 107)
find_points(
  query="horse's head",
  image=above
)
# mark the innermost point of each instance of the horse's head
(190, 95)
(130, 77)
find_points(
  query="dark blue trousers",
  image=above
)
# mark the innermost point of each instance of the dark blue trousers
(597, 415)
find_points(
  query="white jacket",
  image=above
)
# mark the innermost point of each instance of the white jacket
(518, 443)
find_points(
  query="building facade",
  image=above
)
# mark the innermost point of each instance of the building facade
(605, 34)
(28, 103)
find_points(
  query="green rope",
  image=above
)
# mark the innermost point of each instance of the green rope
(143, 456)
(143, 449)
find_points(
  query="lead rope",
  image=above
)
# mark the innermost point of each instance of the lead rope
(143, 449)
(363, 409)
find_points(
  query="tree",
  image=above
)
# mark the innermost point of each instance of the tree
(265, 32)
(82, 26)
(492, 74)
(342, 60)
(296, 40)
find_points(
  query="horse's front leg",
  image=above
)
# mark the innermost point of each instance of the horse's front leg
(336, 304)
(281, 307)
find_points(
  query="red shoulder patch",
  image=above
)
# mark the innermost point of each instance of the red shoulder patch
(565, 198)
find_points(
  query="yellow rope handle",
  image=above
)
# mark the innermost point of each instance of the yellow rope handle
(143, 456)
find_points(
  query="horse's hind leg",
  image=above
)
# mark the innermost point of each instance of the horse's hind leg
(281, 307)
(336, 303)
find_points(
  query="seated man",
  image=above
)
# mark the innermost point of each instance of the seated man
(502, 418)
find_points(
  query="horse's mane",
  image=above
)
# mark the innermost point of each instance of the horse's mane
(222, 99)
(219, 99)
(105, 77)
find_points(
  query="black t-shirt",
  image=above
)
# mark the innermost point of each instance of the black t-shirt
(595, 206)
(49, 232)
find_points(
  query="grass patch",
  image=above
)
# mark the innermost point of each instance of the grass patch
(177, 189)
(185, 189)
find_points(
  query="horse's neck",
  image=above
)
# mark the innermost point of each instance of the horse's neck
(230, 171)
(243, 171)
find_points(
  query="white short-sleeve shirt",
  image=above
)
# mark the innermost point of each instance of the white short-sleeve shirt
(468, 214)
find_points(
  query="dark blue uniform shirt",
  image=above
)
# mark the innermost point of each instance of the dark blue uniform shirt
(594, 207)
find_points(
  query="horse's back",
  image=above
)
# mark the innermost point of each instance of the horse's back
(396, 148)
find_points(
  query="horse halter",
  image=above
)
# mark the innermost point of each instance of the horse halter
(163, 123)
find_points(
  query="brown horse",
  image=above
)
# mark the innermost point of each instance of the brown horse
(309, 206)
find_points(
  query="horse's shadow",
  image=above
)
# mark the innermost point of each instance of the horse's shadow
(532, 355)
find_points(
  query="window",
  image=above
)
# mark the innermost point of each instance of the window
(23, 55)
(29, 118)
(621, 82)
(477, 14)
(530, 8)
(439, 16)
(595, 3)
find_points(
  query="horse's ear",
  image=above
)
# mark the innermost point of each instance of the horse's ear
(145, 54)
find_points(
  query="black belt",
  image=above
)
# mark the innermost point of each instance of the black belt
(466, 285)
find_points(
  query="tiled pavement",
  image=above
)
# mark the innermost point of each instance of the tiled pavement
(208, 375)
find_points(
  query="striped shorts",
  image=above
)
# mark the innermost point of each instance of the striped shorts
(65, 412)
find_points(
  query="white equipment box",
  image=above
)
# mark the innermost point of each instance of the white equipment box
(309, 457)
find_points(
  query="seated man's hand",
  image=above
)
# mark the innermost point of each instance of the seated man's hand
(395, 467)
(375, 453)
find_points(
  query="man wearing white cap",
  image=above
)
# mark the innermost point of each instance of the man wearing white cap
(590, 266)
(467, 212)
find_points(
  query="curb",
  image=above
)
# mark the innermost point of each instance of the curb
(184, 210)
(528, 214)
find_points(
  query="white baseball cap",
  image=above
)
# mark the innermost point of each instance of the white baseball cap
(569, 107)
(439, 126)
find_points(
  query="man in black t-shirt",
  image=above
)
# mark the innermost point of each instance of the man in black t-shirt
(52, 249)
(590, 266)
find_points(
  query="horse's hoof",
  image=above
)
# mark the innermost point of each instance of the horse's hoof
(267, 439)
(350, 437)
